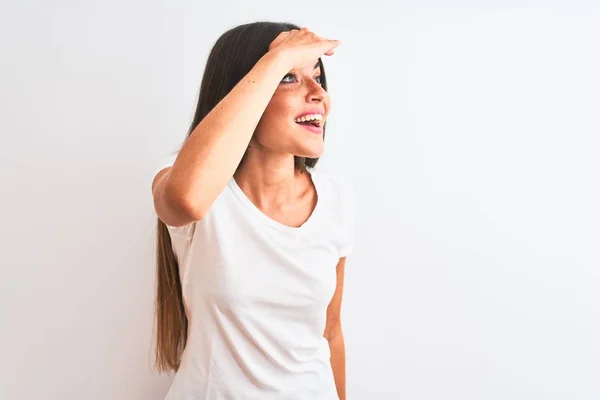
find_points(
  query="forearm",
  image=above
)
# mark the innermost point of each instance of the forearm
(209, 157)
(337, 348)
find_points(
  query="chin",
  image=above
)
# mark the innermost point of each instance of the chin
(310, 153)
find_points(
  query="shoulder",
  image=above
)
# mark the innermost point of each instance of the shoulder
(342, 208)
(340, 183)
(339, 186)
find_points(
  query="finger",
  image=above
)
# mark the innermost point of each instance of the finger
(334, 42)
(330, 46)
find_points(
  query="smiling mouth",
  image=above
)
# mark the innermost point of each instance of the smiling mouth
(315, 119)
(313, 123)
(312, 128)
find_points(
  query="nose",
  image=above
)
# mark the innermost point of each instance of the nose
(315, 92)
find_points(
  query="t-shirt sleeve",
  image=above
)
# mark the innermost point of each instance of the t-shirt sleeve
(349, 215)
(179, 231)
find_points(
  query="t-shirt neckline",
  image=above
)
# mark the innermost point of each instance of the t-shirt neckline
(276, 224)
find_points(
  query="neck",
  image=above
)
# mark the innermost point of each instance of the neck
(270, 181)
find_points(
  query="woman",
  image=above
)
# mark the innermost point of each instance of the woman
(252, 238)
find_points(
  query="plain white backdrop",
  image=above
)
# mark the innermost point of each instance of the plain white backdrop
(470, 130)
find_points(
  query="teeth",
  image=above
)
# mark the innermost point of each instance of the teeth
(311, 117)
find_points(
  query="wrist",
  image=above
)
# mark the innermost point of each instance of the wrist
(277, 62)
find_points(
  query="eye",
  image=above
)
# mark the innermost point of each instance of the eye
(288, 75)
(285, 80)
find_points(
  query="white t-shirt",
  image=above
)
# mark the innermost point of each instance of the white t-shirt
(256, 293)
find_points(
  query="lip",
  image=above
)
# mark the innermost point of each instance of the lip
(312, 128)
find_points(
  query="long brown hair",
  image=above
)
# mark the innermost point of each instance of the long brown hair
(233, 55)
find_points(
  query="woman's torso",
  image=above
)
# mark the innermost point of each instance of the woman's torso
(256, 294)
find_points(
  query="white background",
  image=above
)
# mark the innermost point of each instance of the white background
(470, 130)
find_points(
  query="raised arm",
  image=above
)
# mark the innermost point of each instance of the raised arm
(184, 192)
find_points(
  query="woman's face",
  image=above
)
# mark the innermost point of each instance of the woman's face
(299, 93)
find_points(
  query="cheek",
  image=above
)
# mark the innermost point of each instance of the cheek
(281, 106)
(277, 117)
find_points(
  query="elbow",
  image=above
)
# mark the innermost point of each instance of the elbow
(192, 208)
(188, 205)
(334, 332)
